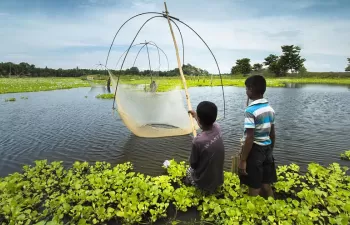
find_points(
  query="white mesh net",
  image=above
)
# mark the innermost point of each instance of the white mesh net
(152, 114)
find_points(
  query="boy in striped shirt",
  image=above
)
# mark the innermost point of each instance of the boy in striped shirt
(257, 167)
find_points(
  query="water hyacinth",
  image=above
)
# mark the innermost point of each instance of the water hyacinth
(10, 99)
(345, 155)
(105, 96)
(99, 194)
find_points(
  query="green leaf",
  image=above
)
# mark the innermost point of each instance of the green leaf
(40, 223)
(21, 217)
(332, 209)
(110, 210)
(120, 213)
(271, 218)
(52, 223)
(82, 222)
(312, 214)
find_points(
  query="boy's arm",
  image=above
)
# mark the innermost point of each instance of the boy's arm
(249, 126)
(194, 157)
(194, 114)
(248, 144)
(273, 135)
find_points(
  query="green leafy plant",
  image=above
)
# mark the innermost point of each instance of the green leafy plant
(345, 155)
(48, 193)
(105, 96)
(10, 99)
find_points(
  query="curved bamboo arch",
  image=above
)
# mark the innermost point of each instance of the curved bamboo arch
(170, 18)
(145, 13)
(143, 45)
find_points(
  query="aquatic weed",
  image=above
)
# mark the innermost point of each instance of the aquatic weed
(99, 193)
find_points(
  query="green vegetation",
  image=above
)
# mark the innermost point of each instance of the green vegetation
(345, 155)
(10, 99)
(168, 83)
(97, 194)
(242, 67)
(289, 61)
(23, 69)
(8, 69)
(24, 97)
(13, 85)
(348, 67)
(105, 96)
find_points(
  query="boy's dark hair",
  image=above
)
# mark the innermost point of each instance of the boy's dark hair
(207, 112)
(257, 83)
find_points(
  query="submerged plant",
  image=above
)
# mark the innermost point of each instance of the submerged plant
(105, 96)
(345, 155)
(10, 99)
(24, 97)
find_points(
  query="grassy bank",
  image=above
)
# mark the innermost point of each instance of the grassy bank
(14, 85)
(100, 194)
(166, 83)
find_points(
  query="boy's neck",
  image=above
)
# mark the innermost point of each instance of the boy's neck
(257, 97)
(206, 128)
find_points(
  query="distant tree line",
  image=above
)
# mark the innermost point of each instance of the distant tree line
(289, 62)
(30, 70)
(348, 67)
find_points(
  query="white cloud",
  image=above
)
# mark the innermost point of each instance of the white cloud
(44, 40)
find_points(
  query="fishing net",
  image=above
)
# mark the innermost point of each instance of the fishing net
(146, 112)
(151, 114)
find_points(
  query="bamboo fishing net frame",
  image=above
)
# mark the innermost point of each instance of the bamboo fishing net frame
(171, 20)
(181, 72)
(145, 44)
(236, 158)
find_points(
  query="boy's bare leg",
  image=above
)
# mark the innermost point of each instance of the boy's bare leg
(263, 193)
(267, 190)
(254, 192)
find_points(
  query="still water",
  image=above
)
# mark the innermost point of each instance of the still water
(312, 125)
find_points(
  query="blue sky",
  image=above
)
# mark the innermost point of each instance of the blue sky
(70, 33)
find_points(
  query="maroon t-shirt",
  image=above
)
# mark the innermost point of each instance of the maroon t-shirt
(207, 159)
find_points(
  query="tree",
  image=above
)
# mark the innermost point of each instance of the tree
(188, 69)
(257, 67)
(275, 65)
(347, 69)
(134, 70)
(291, 58)
(242, 66)
(271, 59)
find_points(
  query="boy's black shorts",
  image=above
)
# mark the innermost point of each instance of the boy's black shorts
(260, 167)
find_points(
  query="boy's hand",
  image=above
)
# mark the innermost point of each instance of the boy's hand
(242, 168)
(193, 113)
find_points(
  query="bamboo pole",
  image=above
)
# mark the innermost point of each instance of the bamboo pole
(235, 159)
(181, 72)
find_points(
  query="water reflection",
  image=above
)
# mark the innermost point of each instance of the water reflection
(148, 154)
(320, 87)
(98, 90)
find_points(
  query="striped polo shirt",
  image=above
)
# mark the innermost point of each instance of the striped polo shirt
(259, 115)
